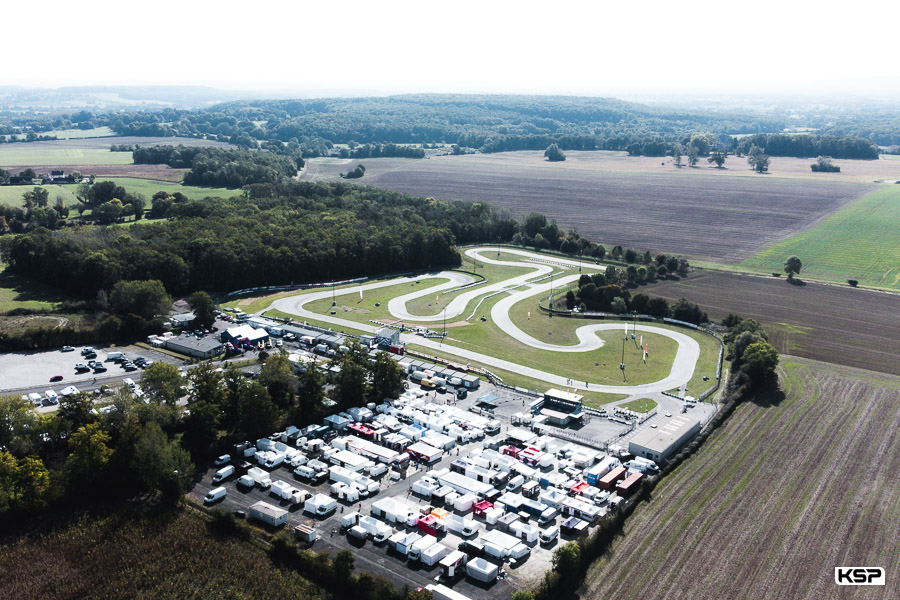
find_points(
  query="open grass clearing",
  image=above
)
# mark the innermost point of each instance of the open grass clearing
(58, 153)
(757, 511)
(18, 292)
(148, 187)
(13, 195)
(861, 241)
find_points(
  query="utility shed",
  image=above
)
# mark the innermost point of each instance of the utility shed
(271, 515)
(664, 441)
(183, 320)
(470, 381)
(206, 347)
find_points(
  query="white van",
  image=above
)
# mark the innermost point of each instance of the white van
(215, 495)
(515, 483)
(223, 473)
(52, 397)
(130, 383)
(246, 481)
(548, 535)
(35, 398)
(114, 356)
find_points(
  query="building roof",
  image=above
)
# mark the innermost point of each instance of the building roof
(246, 331)
(184, 317)
(565, 396)
(264, 508)
(671, 431)
(190, 342)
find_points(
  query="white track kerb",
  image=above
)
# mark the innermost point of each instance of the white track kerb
(682, 368)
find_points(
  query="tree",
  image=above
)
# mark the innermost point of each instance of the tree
(658, 307)
(146, 299)
(554, 154)
(566, 560)
(17, 419)
(759, 361)
(387, 377)
(677, 152)
(31, 481)
(76, 410)
(100, 193)
(570, 299)
(277, 375)
(201, 430)
(310, 395)
(108, 212)
(350, 383)
(617, 305)
(757, 159)
(257, 415)
(792, 266)
(717, 158)
(342, 568)
(162, 382)
(160, 464)
(89, 452)
(693, 155)
(823, 164)
(204, 308)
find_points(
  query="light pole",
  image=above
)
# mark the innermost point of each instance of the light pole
(445, 326)
(622, 365)
(633, 325)
(551, 295)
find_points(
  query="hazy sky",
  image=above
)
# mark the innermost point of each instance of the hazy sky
(383, 46)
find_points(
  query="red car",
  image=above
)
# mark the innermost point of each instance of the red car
(56, 378)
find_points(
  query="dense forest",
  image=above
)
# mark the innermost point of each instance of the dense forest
(275, 234)
(809, 146)
(490, 123)
(219, 167)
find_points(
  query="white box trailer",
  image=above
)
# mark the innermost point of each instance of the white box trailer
(394, 511)
(460, 526)
(465, 503)
(379, 531)
(320, 505)
(433, 554)
(501, 545)
(415, 551)
(453, 564)
(579, 508)
(442, 592)
(403, 542)
(262, 478)
(271, 515)
(482, 570)
(425, 452)
(525, 532)
(425, 487)
(349, 460)
(282, 489)
(466, 485)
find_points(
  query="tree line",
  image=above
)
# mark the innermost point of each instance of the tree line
(276, 234)
(809, 146)
(220, 167)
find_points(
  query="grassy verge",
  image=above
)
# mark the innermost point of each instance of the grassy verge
(641, 405)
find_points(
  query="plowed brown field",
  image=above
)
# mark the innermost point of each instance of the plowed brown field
(776, 499)
(836, 324)
(724, 215)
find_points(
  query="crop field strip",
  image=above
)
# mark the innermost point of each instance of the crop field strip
(861, 241)
(835, 324)
(134, 556)
(758, 510)
(719, 217)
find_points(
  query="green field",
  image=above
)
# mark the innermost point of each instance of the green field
(12, 195)
(861, 241)
(148, 187)
(17, 292)
(38, 153)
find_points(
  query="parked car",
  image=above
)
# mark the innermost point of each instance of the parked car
(224, 459)
(87, 350)
(129, 367)
(99, 369)
(91, 355)
(67, 349)
(82, 367)
(56, 378)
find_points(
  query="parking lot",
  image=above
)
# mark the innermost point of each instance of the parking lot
(31, 371)
(378, 558)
